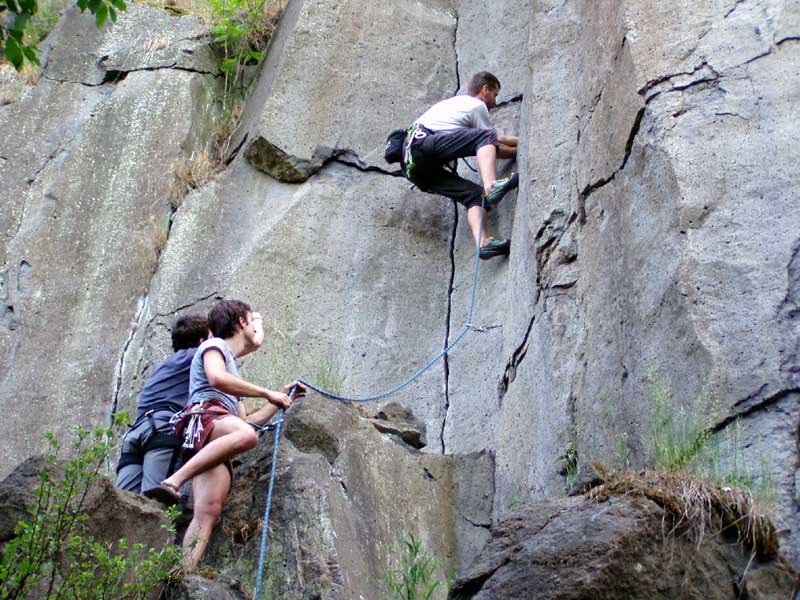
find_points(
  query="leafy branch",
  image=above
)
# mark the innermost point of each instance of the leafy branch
(15, 45)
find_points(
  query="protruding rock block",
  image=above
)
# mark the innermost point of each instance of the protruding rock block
(341, 75)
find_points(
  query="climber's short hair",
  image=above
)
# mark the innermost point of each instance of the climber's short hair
(189, 332)
(481, 79)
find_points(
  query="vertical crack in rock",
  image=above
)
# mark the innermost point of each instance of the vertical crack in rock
(592, 187)
(510, 372)
(137, 321)
(120, 369)
(789, 314)
(450, 288)
(454, 12)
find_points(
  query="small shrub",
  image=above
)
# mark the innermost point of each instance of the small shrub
(412, 575)
(241, 29)
(53, 556)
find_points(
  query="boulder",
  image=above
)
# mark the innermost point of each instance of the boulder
(344, 493)
(580, 548)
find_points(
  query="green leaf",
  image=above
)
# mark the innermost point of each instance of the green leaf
(30, 53)
(14, 53)
(101, 15)
(112, 13)
(120, 4)
(29, 6)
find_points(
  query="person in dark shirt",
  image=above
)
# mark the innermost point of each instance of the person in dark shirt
(150, 449)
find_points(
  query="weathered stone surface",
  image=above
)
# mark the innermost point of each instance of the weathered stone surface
(341, 76)
(660, 230)
(283, 248)
(576, 548)
(474, 389)
(114, 514)
(197, 587)
(142, 39)
(343, 500)
(493, 38)
(88, 213)
(401, 422)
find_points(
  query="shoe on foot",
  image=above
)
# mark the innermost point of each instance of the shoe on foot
(494, 248)
(164, 493)
(501, 187)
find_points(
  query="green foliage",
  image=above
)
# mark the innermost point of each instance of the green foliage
(412, 575)
(241, 29)
(683, 439)
(15, 43)
(570, 459)
(325, 373)
(678, 434)
(571, 464)
(52, 554)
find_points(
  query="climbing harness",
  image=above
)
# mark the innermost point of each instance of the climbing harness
(416, 375)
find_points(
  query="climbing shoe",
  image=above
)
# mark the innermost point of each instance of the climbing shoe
(501, 187)
(494, 248)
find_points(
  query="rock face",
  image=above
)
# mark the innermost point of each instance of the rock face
(338, 73)
(578, 548)
(655, 238)
(345, 495)
(87, 167)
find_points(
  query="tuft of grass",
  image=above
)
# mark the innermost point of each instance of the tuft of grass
(698, 507)
(325, 373)
(678, 433)
(683, 440)
(410, 572)
(193, 172)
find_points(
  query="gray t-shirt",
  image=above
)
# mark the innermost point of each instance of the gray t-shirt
(458, 112)
(199, 388)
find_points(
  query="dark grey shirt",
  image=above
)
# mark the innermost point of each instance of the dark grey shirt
(199, 388)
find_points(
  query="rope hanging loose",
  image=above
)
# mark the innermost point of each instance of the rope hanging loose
(416, 375)
(265, 527)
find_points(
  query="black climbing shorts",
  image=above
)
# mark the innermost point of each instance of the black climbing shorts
(433, 151)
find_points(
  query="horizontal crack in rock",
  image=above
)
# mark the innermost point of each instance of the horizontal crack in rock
(753, 403)
(114, 76)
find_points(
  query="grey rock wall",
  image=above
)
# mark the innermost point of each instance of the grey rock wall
(660, 230)
(87, 168)
(340, 72)
(654, 235)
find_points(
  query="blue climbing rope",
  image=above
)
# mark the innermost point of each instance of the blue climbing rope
(265, 527)
(416, 375)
